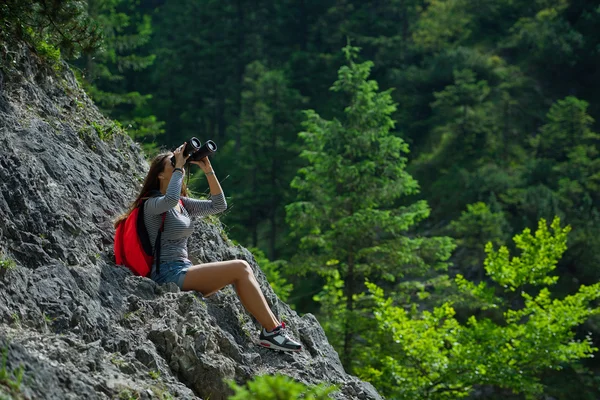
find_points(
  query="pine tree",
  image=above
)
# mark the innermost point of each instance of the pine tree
(263, 161)
(355, 172)
(125, 33)
(51, 28)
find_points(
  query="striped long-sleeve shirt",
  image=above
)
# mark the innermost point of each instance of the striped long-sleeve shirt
(178, 225)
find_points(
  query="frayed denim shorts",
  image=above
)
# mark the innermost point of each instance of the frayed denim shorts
(171, 271)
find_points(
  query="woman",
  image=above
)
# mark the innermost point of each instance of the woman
(174, 264)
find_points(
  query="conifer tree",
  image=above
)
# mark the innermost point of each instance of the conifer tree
(344, 216)
(263, 160)
(51, 28)
(125, 33)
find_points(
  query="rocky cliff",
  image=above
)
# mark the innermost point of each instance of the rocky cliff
(74, 324)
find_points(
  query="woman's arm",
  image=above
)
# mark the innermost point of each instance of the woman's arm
(213, 182)
(161, 204)
(217, 202)
(202, 208)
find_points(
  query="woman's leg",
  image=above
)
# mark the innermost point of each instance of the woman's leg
(211, 277)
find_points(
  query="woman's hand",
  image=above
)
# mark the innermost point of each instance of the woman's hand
(179, 158)
(204, 164)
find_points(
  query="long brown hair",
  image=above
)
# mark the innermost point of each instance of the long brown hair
(150, 183)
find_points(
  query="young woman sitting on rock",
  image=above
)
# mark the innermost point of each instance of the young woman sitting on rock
(175, 267)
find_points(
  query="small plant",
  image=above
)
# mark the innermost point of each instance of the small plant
(102, 132)
(272, 270)
(12, 380)
(130, 314)
(108, 131)
(48, 52)
(161, 392)
(154, 374)
(192, 330)
(127, 394)
(48, 319)
(117, 361)
(273, 387)
(7, 263)
(82, 133)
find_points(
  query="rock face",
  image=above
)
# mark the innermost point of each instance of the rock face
(72, 322)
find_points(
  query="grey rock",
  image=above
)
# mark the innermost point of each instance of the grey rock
(78, 325)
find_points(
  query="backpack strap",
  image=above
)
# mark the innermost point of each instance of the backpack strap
(146, 196)
(157, 244)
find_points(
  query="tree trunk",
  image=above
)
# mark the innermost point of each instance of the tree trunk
(348, 331)
(505, 131)
(253, 212)
(273, 205)
(241, 64)
(304, 26)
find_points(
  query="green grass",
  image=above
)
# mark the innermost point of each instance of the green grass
(126, 394)
(10, 379)
(161, 392)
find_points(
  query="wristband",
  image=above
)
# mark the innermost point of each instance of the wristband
(210, 173)
(178, 169)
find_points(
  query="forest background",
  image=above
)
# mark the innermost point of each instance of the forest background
(421, 175)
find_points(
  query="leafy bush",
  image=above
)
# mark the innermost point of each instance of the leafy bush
(6, 263)
(519, 332)
(279, 387)
(272, 270)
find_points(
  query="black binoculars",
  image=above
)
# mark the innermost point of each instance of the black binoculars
(196, 150)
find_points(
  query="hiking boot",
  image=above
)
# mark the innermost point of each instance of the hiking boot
(277, 339)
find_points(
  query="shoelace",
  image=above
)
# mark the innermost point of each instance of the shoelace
(284, 332)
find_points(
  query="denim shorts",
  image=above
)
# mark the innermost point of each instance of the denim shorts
(172, 271)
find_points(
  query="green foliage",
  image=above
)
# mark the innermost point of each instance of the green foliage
(6, 262)
(547, 34)
(539, 256)
(45, 50)
(104, 132)
(475, 227)
(265, 155)
(568, 126)
(49, 26)
(345, 214)
(432, 355)
(279, 387)
(127, 394)
(10, 379)
(272, 270)
(465, 107)
(562, 178)
(332, 301)
(497, 100)
(443, 23)
(125, 33)
(356, 171)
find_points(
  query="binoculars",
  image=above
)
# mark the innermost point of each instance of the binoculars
(196, 150)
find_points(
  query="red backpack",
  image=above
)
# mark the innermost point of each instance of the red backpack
(132, 244)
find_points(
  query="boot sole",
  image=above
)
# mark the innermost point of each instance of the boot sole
(273, 346)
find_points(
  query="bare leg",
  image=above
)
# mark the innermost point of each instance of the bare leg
(211, 277)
